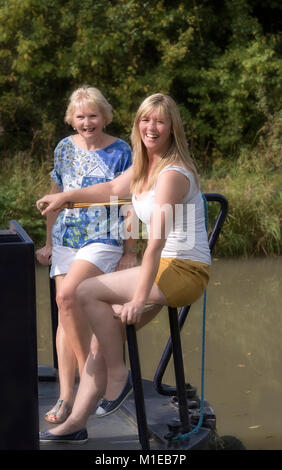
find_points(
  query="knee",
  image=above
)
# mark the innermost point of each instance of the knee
(85, 293)
(65, 299)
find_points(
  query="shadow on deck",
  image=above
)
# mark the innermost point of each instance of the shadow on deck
(117, 431)
(114, 432)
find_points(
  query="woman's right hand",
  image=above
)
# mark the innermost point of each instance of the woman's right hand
(50, 202)
(44, 255)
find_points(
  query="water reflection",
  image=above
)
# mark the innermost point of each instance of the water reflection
(243, 374)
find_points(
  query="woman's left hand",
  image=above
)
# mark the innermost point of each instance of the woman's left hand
(131, 312)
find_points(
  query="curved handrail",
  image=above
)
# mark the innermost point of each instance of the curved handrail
(214, 197)
(213, 237)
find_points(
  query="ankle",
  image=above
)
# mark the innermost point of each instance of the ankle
(118, 375)
(68, 399)
(115, 385)
(75, 423)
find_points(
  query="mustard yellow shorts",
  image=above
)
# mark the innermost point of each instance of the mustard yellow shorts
(182, 281)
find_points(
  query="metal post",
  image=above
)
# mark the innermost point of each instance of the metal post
(167, 389)
(179, 369)
(54, 320)
(137, 387)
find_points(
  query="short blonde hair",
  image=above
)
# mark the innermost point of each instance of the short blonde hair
(89, 96)
(178, 150)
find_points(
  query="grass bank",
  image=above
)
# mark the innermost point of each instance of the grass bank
(252, 184)
(23, 180)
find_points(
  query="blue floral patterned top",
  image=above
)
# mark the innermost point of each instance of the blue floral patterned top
(77, 168)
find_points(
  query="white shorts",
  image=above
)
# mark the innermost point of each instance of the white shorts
(105, 257)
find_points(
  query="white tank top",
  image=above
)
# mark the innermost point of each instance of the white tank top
(187, 239)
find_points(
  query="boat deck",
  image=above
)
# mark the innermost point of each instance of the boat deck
(119, 431)
(113, 432)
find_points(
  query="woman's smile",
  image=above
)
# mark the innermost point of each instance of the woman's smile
(155, 131)
(88, 121)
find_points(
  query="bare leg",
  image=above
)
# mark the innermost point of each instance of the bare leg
(103, 292)
(66, 358)
(94, 381)
(96, 295)
(91, 389)
(74, 324)
(73, 334)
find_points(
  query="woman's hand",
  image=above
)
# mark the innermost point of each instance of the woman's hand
(131, 312)
(44, 255)
(50, 202)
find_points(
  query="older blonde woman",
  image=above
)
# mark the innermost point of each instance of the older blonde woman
(175, 265)
(78, 242)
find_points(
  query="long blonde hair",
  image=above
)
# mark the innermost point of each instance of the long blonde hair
(178, 151)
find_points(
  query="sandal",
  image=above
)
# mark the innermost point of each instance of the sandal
(59, 413)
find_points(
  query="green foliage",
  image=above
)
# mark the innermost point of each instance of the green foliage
(22, 181)
(252, 185)
(220, 60)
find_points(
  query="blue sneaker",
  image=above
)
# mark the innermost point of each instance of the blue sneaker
(107, 407)
(77, 437)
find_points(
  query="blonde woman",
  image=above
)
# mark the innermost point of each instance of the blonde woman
(175, 265)
(74, 246)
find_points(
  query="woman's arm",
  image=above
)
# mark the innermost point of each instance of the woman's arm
(171, 189)
(101, 192)
(44, 254)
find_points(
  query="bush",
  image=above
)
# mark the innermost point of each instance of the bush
(219, 60)
(22, 181)
(252, 185)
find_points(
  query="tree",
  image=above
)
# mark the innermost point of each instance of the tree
(219, 60)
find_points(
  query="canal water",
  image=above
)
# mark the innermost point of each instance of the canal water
(243, 348)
